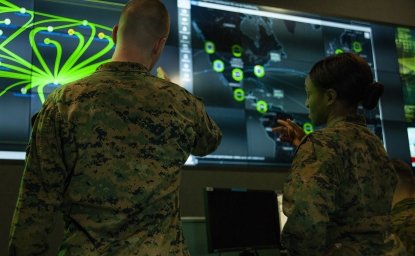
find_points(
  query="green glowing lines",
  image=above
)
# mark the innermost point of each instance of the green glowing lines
(74, 49)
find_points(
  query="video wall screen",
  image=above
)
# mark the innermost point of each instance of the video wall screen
(44, 45)
(247, 62)
(405, 43)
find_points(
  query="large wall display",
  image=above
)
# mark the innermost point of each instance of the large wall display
(247, 62)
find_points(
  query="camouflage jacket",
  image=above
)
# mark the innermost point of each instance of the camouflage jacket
(403, 223)
(339, 191)
(107, 152)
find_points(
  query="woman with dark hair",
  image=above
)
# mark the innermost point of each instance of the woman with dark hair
(338, 194)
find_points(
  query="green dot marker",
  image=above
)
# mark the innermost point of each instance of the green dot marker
(338, 51)
(357, 47)
(239, 94)
(210, 47)
(47, 41)
(218, 66)
(237, 74)
(262, 106)
(237, 50)
(308, 128)
(259, 71)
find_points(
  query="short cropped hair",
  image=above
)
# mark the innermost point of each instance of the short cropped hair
(144, 20)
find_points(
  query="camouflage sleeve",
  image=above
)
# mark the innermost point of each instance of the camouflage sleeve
(403, 223)
(41, 188)
(208, 133)
(309, 198)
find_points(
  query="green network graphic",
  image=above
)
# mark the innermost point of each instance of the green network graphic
(405, 43)
(73, 45)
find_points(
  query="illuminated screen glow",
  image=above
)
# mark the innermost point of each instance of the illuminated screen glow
(411, 138)
(247, 63)
(405, 42)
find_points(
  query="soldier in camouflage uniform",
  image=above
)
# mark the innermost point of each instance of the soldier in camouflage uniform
(338, 193)
(403, 211)
(107, 151)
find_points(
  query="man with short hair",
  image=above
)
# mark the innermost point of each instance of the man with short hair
(107, 150)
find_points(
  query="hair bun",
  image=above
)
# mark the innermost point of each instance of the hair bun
(373, 93)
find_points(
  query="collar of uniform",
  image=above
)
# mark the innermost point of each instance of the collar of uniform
(353, 118)
(121, 66)
(407, 203)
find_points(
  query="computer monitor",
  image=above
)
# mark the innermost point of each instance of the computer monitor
(241, 219)
(282, 217)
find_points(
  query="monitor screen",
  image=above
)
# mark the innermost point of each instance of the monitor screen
(48, 44)
(247, 62)
(282, 216)
(411, 138)
(405, 42)
(239, 219)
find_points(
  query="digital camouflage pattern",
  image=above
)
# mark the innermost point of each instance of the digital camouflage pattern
(403, 223)
(107, 152)
(338, 194)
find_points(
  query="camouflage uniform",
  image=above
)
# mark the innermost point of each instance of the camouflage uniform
(403, 223)
(338, 194)
(107, 152)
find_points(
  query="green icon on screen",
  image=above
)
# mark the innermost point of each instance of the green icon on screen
(338, 51)
(218, 66)
(239, 94)
(262, 106)
(357, 47)
(308, 128)
(210, 47)
(237, 50)
(237, 74)
(259, 71)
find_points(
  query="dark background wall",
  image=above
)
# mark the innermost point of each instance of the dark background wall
(194, 180)
(394, 12)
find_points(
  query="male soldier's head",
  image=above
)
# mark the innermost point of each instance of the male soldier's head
(141, 32)
(406, 181)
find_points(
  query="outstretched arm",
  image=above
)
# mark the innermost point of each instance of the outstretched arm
(289, 132)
